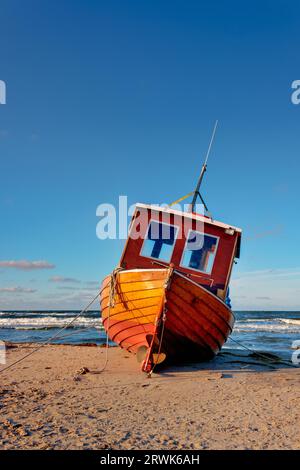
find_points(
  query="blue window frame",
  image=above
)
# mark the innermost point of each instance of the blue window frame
(199, 252)
(160, 240)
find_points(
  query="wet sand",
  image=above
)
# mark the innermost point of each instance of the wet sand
(232, 402)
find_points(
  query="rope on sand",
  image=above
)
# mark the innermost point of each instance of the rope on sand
(266, 358)
(54, 336)
(112, 293)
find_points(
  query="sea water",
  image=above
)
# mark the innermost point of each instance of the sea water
(269, 331)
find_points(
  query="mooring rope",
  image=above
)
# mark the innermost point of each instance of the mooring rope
(267, 358)
(112, 292)
(75, 332)
(52, 337)
(163, 317)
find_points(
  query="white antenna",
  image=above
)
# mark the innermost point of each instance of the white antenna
(211, 142)
(203, 170)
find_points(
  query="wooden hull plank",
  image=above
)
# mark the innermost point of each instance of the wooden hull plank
(197, 322)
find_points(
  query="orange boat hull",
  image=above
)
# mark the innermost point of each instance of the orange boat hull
(163, 309)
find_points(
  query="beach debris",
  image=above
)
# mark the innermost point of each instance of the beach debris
(215, 376)
(83, 371)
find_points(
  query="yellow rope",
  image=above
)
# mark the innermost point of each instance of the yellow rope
(112, 293)
(181, 199)
(163, 317)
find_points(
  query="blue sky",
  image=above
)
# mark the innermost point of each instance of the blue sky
(119, 97)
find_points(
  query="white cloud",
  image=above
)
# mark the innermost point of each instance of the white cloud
(17, 290)
(63, 279)
(26, 265)
(78, 289)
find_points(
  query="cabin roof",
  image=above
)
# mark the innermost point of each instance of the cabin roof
(190, 215)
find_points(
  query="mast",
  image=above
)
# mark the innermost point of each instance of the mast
(203, 170)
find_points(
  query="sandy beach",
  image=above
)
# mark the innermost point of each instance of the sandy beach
(229, 403)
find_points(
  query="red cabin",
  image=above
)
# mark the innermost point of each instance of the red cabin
(199, 247)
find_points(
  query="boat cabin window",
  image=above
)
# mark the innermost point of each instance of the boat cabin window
(199, 252)
(160, 241)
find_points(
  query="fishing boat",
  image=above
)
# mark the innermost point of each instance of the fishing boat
(167, 299)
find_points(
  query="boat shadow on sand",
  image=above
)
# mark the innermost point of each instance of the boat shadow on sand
(229, 361)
